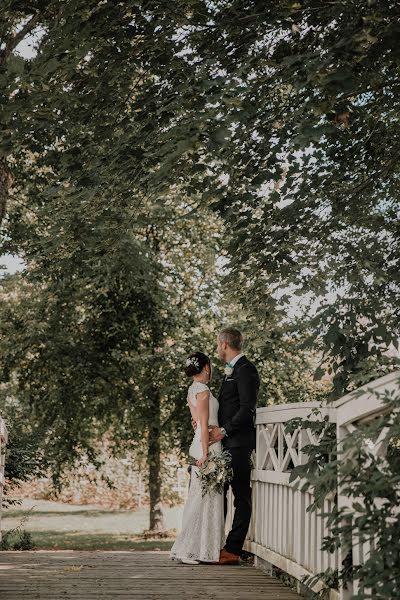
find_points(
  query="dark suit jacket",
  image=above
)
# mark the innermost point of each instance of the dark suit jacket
(237, 405)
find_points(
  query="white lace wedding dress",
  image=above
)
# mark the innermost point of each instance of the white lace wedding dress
(203, 531)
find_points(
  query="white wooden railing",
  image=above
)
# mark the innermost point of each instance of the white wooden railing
(3, 443)
(282, 533)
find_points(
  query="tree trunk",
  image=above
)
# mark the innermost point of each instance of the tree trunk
(154, 461)
(6, 180)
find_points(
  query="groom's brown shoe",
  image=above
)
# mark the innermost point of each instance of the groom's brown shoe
(228, 558)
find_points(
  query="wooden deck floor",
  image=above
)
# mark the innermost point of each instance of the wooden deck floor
(121, 575)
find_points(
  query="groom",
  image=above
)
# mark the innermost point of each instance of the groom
(236, 416)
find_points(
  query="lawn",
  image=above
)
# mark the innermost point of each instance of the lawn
(58, 526)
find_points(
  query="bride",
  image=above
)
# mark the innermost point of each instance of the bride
(203, 531)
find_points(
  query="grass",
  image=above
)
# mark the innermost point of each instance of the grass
(58, 526)
(20, 514)
(76, 540)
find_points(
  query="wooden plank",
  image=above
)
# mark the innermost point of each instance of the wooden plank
(285, 519)
(293, 568)
(83, 575)
(290, 525)
(306, 558)
(262, 514)
(274, 522)
(280, 517)
(267, 540)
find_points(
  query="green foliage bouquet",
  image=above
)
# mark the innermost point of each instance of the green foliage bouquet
(215, 472)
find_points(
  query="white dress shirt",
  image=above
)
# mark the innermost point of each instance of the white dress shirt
(234, 360)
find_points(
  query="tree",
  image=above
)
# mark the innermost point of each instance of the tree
(96, 329)
(95, 301)
(309, 106)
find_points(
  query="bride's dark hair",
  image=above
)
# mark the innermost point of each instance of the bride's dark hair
(195, 363)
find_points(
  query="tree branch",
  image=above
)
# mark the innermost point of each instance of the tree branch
(18, 37)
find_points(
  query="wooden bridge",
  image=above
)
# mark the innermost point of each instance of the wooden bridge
(122, 575)
(282, 532)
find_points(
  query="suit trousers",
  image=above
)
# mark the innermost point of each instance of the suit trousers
(241, 489)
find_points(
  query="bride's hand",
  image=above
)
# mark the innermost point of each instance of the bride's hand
(200, 461)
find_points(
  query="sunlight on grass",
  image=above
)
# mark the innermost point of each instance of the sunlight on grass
(76, 540)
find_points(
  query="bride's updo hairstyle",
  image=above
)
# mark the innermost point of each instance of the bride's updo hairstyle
(195, 363)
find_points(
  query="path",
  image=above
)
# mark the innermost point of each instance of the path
(50, 575)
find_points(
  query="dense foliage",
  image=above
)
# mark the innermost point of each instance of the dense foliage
(310, 103)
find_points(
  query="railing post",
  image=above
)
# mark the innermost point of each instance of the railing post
(343, 504)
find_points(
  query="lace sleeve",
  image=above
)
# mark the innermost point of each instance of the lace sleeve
(195, 389)
(200, 387)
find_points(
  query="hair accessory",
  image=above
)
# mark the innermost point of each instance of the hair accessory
(193, 360)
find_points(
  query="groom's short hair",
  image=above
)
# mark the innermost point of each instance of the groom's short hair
(232, 337)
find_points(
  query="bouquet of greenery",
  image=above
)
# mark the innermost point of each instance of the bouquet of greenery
(215, 472)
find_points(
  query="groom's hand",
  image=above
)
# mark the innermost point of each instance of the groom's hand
(194, 424)
(215, 434)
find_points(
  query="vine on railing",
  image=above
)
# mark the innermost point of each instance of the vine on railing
(370, 476)
(319, 472)
(366, 474)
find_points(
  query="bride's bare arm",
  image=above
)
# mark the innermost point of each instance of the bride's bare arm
(202, 411)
